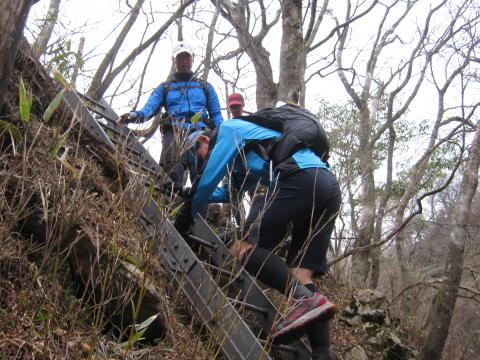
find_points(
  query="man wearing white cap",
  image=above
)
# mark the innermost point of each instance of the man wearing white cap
(182, 96)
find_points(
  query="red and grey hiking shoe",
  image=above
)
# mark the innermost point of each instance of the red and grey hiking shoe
(304, 312)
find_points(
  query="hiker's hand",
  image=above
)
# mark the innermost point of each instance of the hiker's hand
(176, 189)
(127, 118)
(239, 249)
(184, 218)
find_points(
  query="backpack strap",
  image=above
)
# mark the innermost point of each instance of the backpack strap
(167, 87)
(204, 85)
(262, 148)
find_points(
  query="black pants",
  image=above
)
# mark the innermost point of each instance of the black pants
(307, 202)
(173, 156)
(252, 222)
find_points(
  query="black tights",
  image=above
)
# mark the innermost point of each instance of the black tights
(272, 270)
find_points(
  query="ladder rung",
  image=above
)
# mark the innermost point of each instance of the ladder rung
(203, 242)
(93, 101)
(281, 347)
(128, 148)
(248, 306)
(223, 271)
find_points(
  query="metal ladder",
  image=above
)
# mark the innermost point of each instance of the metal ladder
(199, 273)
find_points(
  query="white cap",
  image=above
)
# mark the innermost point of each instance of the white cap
(181, 47)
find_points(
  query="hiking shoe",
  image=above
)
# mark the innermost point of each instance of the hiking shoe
(304, 312)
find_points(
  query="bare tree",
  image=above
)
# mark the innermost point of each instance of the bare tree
(78, 61)
(209, 49)
(12, 21)
(401, 85)
(239, 15)
(444, 303)
(300, 26)
(49, 22)
(106, 72)
(110, 56)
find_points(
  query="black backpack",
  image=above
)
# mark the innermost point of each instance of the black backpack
(299, 128)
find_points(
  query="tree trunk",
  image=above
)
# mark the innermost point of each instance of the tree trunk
(382, 204)
(49, 22)
(444, 302)
(400, 240)
(78, 62)
(361, 260)
(12, 21)
(266, 89)
(209, 49)
(109, 58)
(292, 53)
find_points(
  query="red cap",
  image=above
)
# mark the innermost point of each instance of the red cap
(235, 99)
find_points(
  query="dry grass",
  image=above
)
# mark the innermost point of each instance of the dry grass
(47, 207)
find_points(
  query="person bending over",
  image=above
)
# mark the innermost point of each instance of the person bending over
(303, 196)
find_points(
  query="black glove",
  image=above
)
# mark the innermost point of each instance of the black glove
(176, 189)
(209, 122)
(127, 118)
(184, 218)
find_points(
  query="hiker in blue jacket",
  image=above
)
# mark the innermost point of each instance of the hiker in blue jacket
(182, 96)
(303, 195)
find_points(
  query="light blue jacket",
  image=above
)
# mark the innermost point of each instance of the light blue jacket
(246, 169)
(184, 99)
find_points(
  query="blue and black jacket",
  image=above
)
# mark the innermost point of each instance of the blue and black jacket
(185, 97)
(232, 153)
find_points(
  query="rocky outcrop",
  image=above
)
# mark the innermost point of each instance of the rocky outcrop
(356, 353)
(367, 312)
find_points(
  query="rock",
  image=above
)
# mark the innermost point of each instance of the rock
(394, 348)
(351, 309)
(376, 316)
(356, 353)
(371, 297)
(110, 284)
(388, 342)
(352, 321)
(369, 332)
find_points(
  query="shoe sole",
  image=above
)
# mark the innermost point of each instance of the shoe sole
(296, 329)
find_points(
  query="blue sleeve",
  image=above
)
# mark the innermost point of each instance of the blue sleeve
(222, 155)
(220, 195)
(154, 102)
(230, 141)
(213, 106)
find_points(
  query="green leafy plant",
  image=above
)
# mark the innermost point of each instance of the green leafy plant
(26, 99)
(52, 154)
(53, 106)
(58, 76)
(176, 210)
(62, 56)
(137, 333)
(12, 130)
(151, 190)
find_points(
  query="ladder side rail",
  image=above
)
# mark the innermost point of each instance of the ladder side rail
(145, 160)
(248, 287)
(230, 330)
